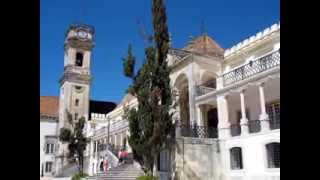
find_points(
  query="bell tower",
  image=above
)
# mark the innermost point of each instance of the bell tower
(76, 78)
(74, 83)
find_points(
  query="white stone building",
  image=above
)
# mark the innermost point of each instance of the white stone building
(228, 118)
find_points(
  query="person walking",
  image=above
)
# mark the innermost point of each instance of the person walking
(101, 166)
(105, 164)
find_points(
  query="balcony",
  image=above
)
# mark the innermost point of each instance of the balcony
(254, 67)
(254, 126)
(206, 87)
(235, 130)
(274, 122)
(179, 55)
(198, 131)
(101, 131)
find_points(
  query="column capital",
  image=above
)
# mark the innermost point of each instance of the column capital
(261, 83)
(225, 95)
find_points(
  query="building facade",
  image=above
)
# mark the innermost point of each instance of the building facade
(228, 114)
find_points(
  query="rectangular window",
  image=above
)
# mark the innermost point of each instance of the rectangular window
(48, 167)
(76, 116)
(52, 148)
(236, 158)
(77, 102)
(273, 110)
(273, 155)
(47, 148)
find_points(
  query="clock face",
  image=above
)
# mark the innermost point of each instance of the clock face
(82, 34)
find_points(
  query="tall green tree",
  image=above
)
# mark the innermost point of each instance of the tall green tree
(151, 122)
(76, 140)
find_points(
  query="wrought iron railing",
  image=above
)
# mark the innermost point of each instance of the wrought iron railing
(206, 87)
(252, 68)
(274, 122)
(235, 129)
(254, 126)
(199, 131)
(179, 55)
(101, 131)
(201, 90)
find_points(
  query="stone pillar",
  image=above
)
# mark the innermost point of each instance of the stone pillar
(219, 82)
(223, 116)
(200, 120)
(121, 140)
(244, 120)
(91, 148)
(96, 151)
(192, 91)
(191, 102)
(264, 118)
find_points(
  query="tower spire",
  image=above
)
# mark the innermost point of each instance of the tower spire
(203, 28)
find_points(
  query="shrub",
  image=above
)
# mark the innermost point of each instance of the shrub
(147, 178)
(78, 176)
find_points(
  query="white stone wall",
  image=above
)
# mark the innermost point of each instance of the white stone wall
(254, 156)
(47, 128)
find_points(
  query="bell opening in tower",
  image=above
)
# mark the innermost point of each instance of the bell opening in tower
(79, 59)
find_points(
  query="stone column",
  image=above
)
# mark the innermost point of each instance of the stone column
(244, 120)
(121, 140)
(223, 116)
(191, 102)
(264, 118)
(219, 82)
(200, 120)
(192, 90)
(91, 149)
(96, 150)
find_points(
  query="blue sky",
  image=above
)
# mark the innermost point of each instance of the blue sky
(227, 22)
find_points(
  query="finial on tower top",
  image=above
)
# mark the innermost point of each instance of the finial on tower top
(203, 28)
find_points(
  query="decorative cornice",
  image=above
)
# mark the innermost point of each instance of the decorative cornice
(77, 78)
(81, 44)
(48, 118)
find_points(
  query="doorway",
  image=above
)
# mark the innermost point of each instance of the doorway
(212, 122)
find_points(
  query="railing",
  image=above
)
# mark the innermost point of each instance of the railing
(252, 68)
(206, 87)
(101, 131)
(274, 122)
(235, 129)
(199, 131)
(254, 126)
(201, 90)
(179, 55)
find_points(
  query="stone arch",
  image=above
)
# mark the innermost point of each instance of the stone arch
(208, 79)
(182, 86)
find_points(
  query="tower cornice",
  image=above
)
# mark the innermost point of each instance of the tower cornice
(76, 78)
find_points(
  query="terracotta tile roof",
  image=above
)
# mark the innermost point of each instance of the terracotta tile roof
(204, 45)
(49, 105)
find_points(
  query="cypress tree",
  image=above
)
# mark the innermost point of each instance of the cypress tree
(151, 122)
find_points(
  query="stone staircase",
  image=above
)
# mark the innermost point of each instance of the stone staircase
(122, 172)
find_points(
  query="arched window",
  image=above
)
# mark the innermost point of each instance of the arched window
(79, 59)
(236, 158)
(273, 155)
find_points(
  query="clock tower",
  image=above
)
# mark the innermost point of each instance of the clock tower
(75, 81)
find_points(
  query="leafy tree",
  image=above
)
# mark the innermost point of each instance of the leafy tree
(151, 122)
(76, 140)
